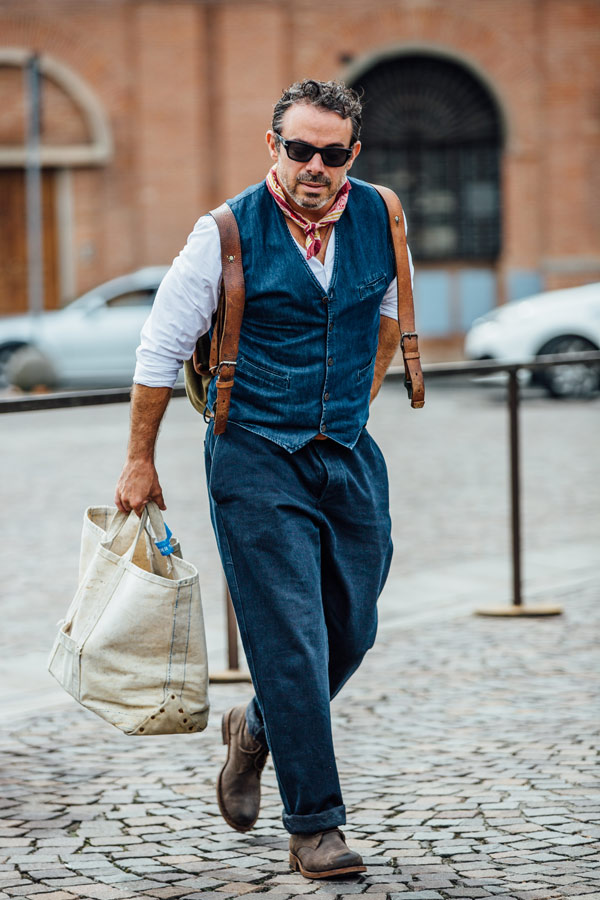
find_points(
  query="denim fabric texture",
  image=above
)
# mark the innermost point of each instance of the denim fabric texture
(306, 358)
(305, 543)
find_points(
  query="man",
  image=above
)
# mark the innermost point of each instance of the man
(298, 488)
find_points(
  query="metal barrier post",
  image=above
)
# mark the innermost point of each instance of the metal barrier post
(232, 634)
(233, 673)
(515, 482)
(517, 608)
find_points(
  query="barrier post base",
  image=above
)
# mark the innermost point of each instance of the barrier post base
(520, 612)
(230, 676)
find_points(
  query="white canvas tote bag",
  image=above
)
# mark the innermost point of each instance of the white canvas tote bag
(132, 647)
(96, 522)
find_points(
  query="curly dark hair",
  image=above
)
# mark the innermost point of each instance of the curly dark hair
(332, 95)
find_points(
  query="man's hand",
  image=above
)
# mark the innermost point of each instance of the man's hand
(137, 485)
(139, 480)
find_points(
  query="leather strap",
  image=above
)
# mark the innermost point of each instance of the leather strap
(409, 342)
(226, 332)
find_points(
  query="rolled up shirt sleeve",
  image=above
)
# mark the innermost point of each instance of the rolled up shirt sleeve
(389, 304)
(183, 308)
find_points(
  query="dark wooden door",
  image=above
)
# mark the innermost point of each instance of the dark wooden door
(13, 242)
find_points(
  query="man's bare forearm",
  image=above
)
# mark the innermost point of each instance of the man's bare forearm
(148, 405)
(389, 338)
(139, 482)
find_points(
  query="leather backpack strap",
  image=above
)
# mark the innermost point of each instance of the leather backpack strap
(226, 333)
(409, 343)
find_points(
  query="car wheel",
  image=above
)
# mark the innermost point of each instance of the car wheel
(6, 352)
(575, 380)
(27, 368)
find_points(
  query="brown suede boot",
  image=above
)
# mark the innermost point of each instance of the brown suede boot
(323, 855)
(238, 786)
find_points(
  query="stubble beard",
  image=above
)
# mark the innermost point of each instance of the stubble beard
(309, 202)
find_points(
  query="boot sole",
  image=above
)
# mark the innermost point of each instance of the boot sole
(226, 740)
(296, 866)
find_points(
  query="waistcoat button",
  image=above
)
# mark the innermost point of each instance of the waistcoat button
(330, 361)
(324, 299)
(326, 397)
(323, 428)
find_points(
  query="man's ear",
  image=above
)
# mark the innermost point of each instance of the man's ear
(272, 146)
(355, 152)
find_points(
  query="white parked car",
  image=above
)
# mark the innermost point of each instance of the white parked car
(564, 321)
(91, 342)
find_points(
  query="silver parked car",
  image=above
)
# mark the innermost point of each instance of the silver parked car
(91, 342)
(563, 321)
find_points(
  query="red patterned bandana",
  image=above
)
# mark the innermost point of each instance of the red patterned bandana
(311, 229)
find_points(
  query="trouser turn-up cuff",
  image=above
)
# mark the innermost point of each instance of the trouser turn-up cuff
(331, 818)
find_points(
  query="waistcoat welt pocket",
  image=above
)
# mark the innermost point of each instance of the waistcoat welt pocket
(362, 373)
(373, 286)
(258, 373)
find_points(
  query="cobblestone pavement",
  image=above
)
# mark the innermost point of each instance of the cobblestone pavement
(466, 748)
(466, 745)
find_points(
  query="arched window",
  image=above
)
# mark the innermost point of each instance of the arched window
(432, 132)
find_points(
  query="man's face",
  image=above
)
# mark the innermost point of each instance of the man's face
(312, 186)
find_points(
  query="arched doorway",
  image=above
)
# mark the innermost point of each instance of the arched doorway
(74, 132)
(433, 132)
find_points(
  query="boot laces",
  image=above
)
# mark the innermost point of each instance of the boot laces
(257, 754)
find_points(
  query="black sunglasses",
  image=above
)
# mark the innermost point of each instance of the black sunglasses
(298, 151)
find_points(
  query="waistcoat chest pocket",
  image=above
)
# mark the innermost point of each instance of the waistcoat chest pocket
(376, 285)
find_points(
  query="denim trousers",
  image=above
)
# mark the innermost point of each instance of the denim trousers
(304, 540)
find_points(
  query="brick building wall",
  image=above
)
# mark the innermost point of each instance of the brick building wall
(187, 88)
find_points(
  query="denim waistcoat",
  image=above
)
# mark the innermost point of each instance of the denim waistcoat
(306, 357)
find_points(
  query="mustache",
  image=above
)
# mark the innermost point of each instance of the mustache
(315, 179)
